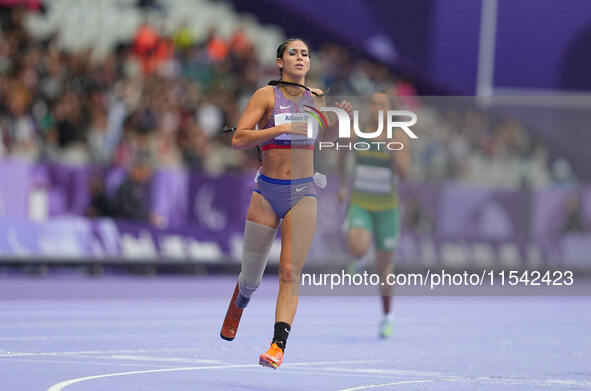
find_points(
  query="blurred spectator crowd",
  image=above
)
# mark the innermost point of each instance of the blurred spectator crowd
(169, 95)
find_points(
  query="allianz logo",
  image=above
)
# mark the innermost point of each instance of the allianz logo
(296, 117)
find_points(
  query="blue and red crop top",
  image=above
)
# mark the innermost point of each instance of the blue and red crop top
(285, 110)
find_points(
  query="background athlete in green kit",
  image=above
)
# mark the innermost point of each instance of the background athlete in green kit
(373, 211)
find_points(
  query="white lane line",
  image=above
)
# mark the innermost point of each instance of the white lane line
(93, 363)
(64, 384)
(297, 371)
(297, 364)
(396, 383)
(438, 376)
(106, 323)
(92, 336)
(395, 372)
(81, 352)
(98, 313)
(94, 355)
(60, 386)
(157, 359)
(568, 382)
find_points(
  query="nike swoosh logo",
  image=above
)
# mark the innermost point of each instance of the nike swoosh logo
(283, 107)
(301, 188)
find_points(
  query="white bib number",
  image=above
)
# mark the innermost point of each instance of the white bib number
(371, 179)
(296, 117)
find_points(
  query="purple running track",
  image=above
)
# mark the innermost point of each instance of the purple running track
(162, 333)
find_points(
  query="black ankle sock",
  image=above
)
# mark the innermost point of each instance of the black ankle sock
(282, 330)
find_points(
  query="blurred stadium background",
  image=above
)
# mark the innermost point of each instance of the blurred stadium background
(109, 112)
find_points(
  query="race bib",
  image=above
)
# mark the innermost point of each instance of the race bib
(372, 179)
(297, 117)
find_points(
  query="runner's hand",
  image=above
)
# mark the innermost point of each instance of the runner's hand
(296, 127)
(348, 107)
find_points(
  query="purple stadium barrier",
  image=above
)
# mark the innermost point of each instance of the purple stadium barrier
(449, 224)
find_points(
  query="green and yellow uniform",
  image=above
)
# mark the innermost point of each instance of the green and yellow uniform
(374, 201)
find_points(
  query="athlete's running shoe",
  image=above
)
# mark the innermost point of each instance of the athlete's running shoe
(272, 358)
(386, 327)
(232, 319)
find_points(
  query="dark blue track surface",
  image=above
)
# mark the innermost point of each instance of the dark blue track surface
(163, 334)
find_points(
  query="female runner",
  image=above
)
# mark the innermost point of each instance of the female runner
(284, 191)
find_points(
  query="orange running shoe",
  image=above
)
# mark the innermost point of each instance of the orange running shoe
(272, 358)
(232, 319)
